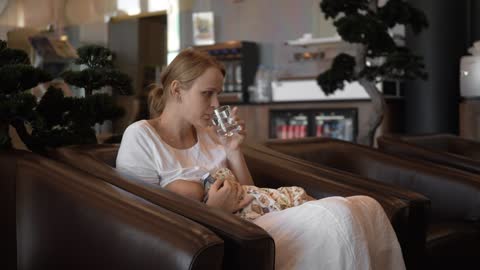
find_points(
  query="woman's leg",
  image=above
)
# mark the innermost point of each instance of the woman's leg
(383, 246)
(332, 233)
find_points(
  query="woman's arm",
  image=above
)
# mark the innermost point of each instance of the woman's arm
(237, 164)
(188, 189)
(236, 161)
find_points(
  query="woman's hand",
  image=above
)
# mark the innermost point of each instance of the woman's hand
(228, 195)
(233, 142)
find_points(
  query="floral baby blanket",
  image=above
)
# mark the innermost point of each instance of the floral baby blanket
(266, 200)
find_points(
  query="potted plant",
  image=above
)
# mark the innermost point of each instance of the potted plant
(17, 105)
(378, 57)
(98, 75)
(98, 72)
(55, 120)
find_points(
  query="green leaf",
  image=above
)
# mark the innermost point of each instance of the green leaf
(17, 106)
(13, 56)
(120, 82)
(51, 108)
(90, 79)
(333, 8)
(95, 56)
(3, 45)
(20, 77)
(401, 12)
(365, 29)
(342, 70)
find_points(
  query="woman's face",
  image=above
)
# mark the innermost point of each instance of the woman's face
(201, 99)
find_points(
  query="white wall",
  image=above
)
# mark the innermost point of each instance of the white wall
(267, 22)
(270, 23)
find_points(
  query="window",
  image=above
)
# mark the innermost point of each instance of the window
(131, 7)
(159, 5)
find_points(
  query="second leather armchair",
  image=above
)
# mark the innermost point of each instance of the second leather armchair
(453, 234)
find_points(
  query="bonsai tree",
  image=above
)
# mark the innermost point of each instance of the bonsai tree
(55, 120)
(378, 57)
(70, 120)
(99, 72)
(17, 105)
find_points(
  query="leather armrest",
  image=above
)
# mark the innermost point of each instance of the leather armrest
(408, 148)
(68, 219)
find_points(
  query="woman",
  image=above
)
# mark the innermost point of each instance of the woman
(177, 146)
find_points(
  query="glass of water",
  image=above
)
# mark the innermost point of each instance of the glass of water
(224, 123)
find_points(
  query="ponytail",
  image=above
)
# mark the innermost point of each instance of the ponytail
(156, 101)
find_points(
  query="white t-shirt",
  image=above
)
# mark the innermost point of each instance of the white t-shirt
(145, 156)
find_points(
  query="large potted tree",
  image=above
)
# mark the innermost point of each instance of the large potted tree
(378, 56)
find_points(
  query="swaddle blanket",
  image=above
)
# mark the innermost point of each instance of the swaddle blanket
(266, 200)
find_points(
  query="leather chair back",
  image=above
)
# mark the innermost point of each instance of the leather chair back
(432, 182)
(449, 143)
(58, 217)
(444, 149)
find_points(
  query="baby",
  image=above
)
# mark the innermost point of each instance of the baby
(266, 200)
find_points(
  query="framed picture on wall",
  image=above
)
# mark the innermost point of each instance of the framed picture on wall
(203, 28)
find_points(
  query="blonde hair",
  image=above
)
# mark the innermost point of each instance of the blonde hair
(187, 66)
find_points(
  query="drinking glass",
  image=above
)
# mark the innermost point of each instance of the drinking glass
(224, 123)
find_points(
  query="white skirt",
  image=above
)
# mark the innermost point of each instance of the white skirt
(334, 233)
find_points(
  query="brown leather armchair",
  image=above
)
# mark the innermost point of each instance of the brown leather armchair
(57, 217)
(247, 246)
(242, 239)
(445, 149)
(453, 235)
